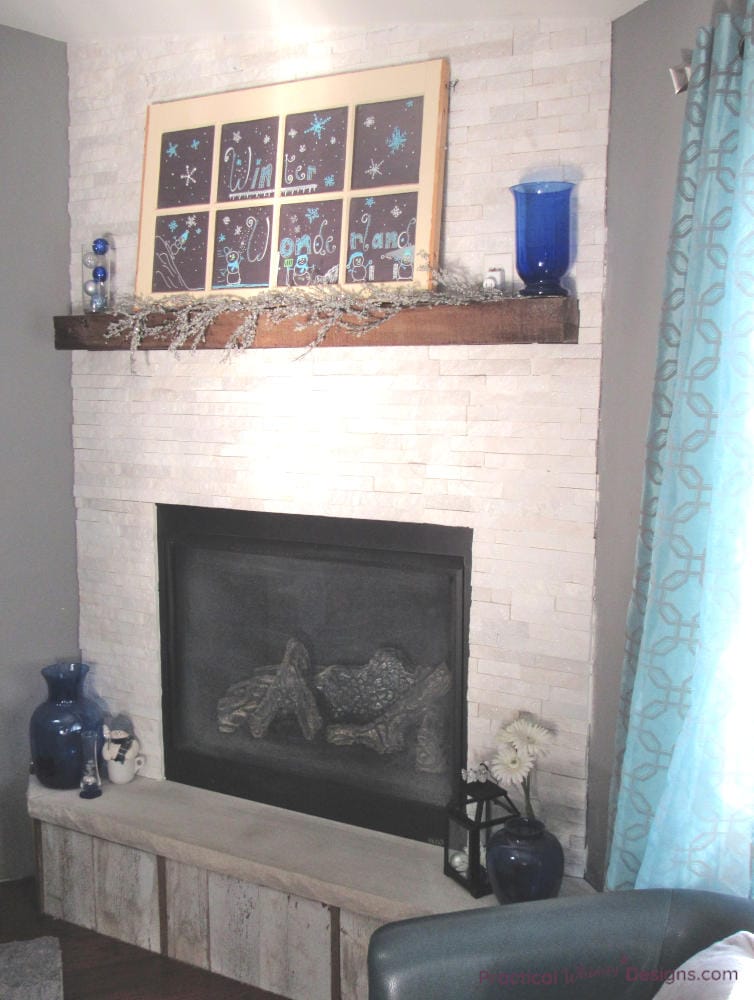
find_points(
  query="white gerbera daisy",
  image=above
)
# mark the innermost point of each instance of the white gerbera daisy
(510, 765)
(527, 737)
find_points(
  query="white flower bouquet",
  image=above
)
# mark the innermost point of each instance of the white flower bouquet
(520, 744)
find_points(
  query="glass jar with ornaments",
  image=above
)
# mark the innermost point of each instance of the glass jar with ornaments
(97, 260)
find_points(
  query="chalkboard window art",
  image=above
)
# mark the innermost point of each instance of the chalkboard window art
(242, 248)
(382, 238)
(315, 149)
(180, 252)
(248, 154)
(314, 152)
(309, 243)
(185, 167)
(387, 143)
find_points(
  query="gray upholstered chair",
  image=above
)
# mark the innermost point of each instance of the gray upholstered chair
(613, 945)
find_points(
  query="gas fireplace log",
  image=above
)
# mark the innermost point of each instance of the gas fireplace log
(361, 694)
(387, 733)
(289, 691)
(272, 691)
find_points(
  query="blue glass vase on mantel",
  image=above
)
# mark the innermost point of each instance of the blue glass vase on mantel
(543, 235)
(524, 861)
(56, 726)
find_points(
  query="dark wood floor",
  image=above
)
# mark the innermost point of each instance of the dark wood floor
(99, 968)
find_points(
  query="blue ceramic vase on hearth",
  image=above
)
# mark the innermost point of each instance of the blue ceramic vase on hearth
(524, 861)
(56, 725)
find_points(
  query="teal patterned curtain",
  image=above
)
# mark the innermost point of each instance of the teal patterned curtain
(683, 791)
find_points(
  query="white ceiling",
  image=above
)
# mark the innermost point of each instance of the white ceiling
(79, 20)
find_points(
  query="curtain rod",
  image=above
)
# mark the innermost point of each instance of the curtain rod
(681, 74)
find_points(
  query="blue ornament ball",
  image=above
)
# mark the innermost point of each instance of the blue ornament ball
(100, 245)
(99, 273)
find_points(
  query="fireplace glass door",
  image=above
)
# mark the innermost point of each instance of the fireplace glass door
(314, 663)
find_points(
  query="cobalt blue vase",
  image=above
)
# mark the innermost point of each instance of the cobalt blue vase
(56, 725)
(524, 861)
(543, 235)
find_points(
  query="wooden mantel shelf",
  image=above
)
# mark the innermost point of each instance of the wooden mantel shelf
(507, 321)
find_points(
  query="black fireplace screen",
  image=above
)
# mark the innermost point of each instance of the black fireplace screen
(314, 663)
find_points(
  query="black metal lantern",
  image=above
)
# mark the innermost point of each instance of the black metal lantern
(484, 806)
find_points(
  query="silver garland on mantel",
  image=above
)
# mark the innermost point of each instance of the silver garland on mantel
(183, 321)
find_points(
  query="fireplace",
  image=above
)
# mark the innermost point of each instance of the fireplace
(316, 663)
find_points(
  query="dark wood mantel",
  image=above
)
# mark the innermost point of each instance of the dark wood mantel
(507, 321)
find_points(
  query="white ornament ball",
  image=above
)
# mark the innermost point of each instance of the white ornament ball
(459, 860)
(91, 287)
(90, 259)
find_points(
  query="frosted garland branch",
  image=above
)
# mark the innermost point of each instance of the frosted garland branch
(184, 321)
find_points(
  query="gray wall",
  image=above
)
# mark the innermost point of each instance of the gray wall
(645, 129)
(38, 588)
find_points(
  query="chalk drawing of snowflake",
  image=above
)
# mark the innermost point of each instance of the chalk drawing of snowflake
(237, 231)
(267, 140)
(317, 126)
(302, 148)
(329, 181)
(312, 214)
(333, 140)
(395, 211)
(369, 122)
(191, 221)
(409, 104)
(374, 169)
(189, 175)
(172, 149)
(172, 226)
(297, 229)
(195, 144)
(221, 238)
(226, 220)
(369, 203)
(236, 136)
(292, 133)
(397, 140)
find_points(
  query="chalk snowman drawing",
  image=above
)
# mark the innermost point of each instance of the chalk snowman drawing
(232, 266)
(358, 268)
(309, 244)
(382, 231)
(242, 248)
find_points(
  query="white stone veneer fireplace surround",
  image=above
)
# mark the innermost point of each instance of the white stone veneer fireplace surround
(491, 438)
(501, 439)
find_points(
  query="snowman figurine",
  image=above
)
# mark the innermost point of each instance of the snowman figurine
(121, 755)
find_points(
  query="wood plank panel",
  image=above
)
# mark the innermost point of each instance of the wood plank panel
(187, 914)
(69, 885)
(234, 928)
(294, 946)
(355, 932)
(127, 898)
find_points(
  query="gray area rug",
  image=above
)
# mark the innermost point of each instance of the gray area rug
(31, 970)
